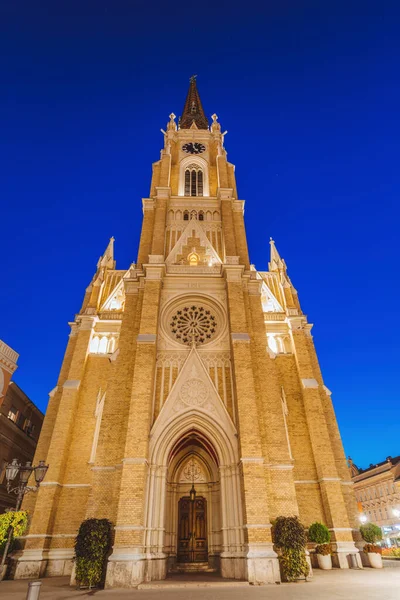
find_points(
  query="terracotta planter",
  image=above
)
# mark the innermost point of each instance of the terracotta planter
(375, 560)
(324, 561)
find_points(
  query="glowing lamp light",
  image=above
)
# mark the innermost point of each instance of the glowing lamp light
(396, 512)
(363, 518)
(12, 470)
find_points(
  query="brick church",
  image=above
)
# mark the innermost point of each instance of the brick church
(190, 408)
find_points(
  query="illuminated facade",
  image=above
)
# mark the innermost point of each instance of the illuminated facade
(190, 370)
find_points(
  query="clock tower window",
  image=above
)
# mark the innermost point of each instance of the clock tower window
(193, 181)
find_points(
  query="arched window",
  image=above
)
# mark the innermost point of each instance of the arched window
(201, 216)
(186, 216)
(193, 181)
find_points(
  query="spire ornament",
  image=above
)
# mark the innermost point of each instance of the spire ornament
(215, 126)
(171, 123)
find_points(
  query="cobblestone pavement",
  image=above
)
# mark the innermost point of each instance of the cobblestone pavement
(368, 584)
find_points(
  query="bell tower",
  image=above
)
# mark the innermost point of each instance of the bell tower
(190, 408)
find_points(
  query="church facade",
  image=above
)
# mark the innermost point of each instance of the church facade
(190, 408)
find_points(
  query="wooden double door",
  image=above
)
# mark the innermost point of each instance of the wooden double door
(192, 530)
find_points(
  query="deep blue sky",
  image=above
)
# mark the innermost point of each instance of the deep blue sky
(310, 95)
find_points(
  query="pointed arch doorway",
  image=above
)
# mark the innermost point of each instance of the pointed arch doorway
(193, 537)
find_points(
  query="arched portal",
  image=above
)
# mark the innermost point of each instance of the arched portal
(193, 535)
(185, 447)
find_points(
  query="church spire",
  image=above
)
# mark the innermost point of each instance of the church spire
(193, 110)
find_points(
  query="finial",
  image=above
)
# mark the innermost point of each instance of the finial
(192, 79)
(112, 239)
(215, 126)
(171, 123)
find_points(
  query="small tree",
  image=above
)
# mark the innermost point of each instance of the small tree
(320, 534)
(290, 539)
(92, 546)
(371, 533)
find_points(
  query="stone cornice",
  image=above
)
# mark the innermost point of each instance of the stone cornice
(225, 193)
(148, 204)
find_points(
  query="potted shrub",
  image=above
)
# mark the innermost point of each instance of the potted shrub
(290, 539)
(92, 547)
(320, 535)
(371, 534)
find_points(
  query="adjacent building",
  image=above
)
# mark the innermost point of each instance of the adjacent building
(377, 491)
(190, 409)
(20, 422)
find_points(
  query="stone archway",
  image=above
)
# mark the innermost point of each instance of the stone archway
(193, 463)
(196, 435)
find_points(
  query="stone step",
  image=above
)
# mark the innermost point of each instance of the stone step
(193, 568)
(175, 583)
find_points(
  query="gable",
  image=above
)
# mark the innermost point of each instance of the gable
(193, 392)
(193, 240)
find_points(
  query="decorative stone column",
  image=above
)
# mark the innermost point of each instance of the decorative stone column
(328, 476)
(279, 462)
(106, 472)
(146, 236)
(228, 229)
(129, 564)
(33, 561)
(158, 244)
(261, 560)
(240, 232)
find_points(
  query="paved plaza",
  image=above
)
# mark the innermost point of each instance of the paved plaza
(369, 584)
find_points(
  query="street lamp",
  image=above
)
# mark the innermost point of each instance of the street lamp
(363, 518)
(21, 488)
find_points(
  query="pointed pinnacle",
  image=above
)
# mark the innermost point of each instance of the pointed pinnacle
(275, 260)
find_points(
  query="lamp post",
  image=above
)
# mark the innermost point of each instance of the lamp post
(21, 488)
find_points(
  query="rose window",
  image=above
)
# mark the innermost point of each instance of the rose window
(193, 323)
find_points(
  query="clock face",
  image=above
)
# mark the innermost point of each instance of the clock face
(193, 148)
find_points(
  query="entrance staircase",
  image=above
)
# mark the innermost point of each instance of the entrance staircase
(194, 567)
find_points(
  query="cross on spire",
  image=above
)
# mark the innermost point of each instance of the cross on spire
(193, 110)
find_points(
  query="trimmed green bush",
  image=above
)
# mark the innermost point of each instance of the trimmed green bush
(319, 533)
(290, 538)
(288, 532)
(92, 546)
(371, 533)
(293, 564)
